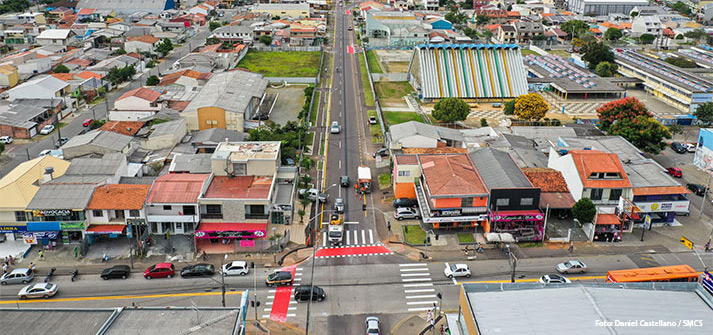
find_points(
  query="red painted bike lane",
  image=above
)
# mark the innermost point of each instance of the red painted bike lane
(283, 295)
(353, 251)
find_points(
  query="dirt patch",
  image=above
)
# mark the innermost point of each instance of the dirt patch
(396, 67)
(288, 100)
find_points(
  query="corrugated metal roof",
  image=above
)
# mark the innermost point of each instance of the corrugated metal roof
(498, 169)
(62, 196)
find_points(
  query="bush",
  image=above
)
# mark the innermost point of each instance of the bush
(483, 122)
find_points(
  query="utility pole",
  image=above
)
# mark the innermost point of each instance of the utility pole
(222, 287)
(512, 260)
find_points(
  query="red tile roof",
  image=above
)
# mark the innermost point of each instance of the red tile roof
(660, 190)
(146, 39)
(89, 74)
(451, 175)
(239, 187)
(173, 77)
(86, 11)
(63, 76)
(556, 200)
(178, 105)
(119, 196)
(179, 188)
(547, 179)
(608, 219)
(593, 161)
(142, 93)
(406, 159)
(128, 128)
(79, 61)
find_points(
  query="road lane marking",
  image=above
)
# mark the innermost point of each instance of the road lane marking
(415, 275)
(363, 237)
(411, 270)
(421, 290)
(413, 264)
(415, 279)
(351, 222)
(347, 237)
(371, 237)
(421, 296)
(356, 237)
(324, 239)
(419, 309)
(340, 164)
(271, 291)
(455, 282)
(117, 297)
(421, 302)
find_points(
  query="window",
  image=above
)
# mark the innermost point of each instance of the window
(255, 212)
(189, 210)
(614, 194)
(596, 194)
(466, 202)
(526, 201)
(134, 213)
(212, 211)
(97, 213)
(404, 173)
(502, 202)
(239, 169)
(20, 216)
(166, 207)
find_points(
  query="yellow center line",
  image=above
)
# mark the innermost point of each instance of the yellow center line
(528, 280)
(326, 136)
(116, 297)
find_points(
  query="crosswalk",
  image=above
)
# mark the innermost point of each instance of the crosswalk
(418, 287)
(357, 237)
(279, 304)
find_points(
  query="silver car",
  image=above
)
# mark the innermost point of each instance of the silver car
(572, 267)
(39, 290)
(406, 213)
(339, 205)
(372, 325)
(17, 276)
(335, 128)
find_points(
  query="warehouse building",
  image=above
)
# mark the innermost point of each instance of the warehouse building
(604, 7)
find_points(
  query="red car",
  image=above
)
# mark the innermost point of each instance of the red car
(675, 172)
(160, 270)
(87, 122)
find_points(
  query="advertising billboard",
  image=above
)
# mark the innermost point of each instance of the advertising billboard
(703, 158)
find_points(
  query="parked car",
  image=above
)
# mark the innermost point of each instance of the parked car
(554, 279)
(339, 205)
(674, 172)
(47, 129)
(344, 181)
(236, 268)
(39, 290)
(405, 202)
(335, 128)
(5, 139)
(383, 152)
(17, 276)
(198, 270)
(279, 278)
(160, 270)
(697, 189)
(302, 293)
(372, 325)
(87, 122)
(372, 120)
(406, 213)
(457, 270)
(60, 142)
(690, 147)
(678, 147)
(349, 28)
(312, 194)
(571, 266)
(288, 161)
(115, 272)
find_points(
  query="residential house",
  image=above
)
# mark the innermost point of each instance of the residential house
(529, 31)
(430, 4)
(46, 87)
(113, 207)
(415, 134)
(242, 33)
(206, 141)
(172, 204)
(145, 43)
(104, 66)
(135, 105)
(646, 25)
(23, 118)
(507, 34)
(55, 37)
(59, 14)
(16, 35)
(36, 66)
(125, 7)
(439, 23)
(8, 76)
(190, 163)
(165, 135)
(187, 78)
(33, 17)
(407, 170)
(97, 142)
(127, 128)
(202, 9)
(282, 10)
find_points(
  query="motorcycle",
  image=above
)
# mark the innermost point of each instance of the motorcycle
(49, 275)
(75, 274)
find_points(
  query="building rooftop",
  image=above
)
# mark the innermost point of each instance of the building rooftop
(588, 162)
(119, 197)
(49, 321)
(196, 163)
(498, 169)
(412, 128)
(105, 139)
(182, 188)
(145, 38)
(141, 93)
(109, 164)
(547, 179)
(451, 175)
(663, 71)
(239, 187)
(62, 196)
(55, 34)
(406, 159)
(567, 76)
(215, 136)
(626, 151)
(245, 151)
(127, 128)
(19, 186)
(231, 90)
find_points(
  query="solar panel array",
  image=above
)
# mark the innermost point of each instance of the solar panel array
(696, 55)
(664, 70)
(558, 67)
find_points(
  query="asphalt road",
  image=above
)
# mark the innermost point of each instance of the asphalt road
(74, 121)
(668, 158)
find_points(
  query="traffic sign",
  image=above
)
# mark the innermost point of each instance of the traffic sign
(686, 242)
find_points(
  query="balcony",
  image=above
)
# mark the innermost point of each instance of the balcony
(470, 212)
(256, 216)
(218, 216)
(172, 218)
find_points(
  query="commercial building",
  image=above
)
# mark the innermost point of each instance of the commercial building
(415, 134)
(126, 7)
(395, 29)
(703, 157)
(284, 10)
(604, 7)
(172, 203)
(468, 71)
(116, 210)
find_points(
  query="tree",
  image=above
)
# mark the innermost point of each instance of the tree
(509, 107)
(704, 113)
(470, 32)
(647, 38)
(679, 36)
(642, 131)
(483, 122)
(307, 163)
(451, 110)
(681, 62)
(164, 47)
(613, 34)
(301, 213)
(681, 8)
(119, 75)
(606, 69)
(119, 51)
(574, 28)
(487, 34)
(696, 34)
(456, 17)
(584, 210)
(265, 39)
(531, 106)
(152, 81)
(578, 43)
(212, 41)
(634, 14)
(596, 53)
(61, 68)
(675, 129)
(481, 19)
(9, 6)
(625, 108)
(214, 25)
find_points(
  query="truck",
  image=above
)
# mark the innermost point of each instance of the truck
(335, 233)
(364, 178)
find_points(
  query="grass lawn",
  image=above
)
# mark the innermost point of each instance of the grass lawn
(466, 238)
(319, 165)
(309, 139)
(368, 94)
(526, 52)
(562, 53)
(415, 234)
(374, 65)
(392, 90)
(282, 63)
(384, 181)
(393, 118)
(315, 107)
(375, 130)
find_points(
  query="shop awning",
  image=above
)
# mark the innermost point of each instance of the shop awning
(608, 219)
(106, 229)
(231, 226)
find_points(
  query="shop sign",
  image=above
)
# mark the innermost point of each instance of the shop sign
(72, 225)
(450, 212)
(138, 222)
(231, 234)
(12, 229)
(537, 217)
(670, 206)
(49, 235)
(52, 212)
(29, 238)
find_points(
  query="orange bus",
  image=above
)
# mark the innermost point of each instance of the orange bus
(674, 273)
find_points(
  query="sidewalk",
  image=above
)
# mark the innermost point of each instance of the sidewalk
(417, 324)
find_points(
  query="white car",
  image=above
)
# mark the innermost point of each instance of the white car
(554, 279)
(571, 267)
(335, 128)
(457, 270)
(5, 139)
(47, 129)
(39, 290)
(406, 213)
(690, 147)
(372, 120)
(236, 268)
(372, 326)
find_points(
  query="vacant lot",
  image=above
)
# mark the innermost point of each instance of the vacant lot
(393, 118)
(374, 65)
(526, 52)
(287, 99)
(392, 90)
(282, 63)
(368, 95)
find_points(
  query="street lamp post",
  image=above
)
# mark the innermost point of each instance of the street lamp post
(386, 219)
(314, 252)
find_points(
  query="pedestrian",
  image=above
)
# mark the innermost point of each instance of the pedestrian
(443, 329)
(7, 260)
(168, 233)
(12, 260)
(42, 254)
(4, 268)
(465, 250)
(204, 256)
(32, 267)
(76, 251)
(708, 246)
(571, 247)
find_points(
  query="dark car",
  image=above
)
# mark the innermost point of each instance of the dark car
(118, 271)
(344, 181)
(198, 270)
(405, 202)
(698, 189)
(61, 142)
(302, 293)
(279, 278)
(383, 152)
(678, 147)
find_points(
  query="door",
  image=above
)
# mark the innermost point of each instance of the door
(119, 214)
(179, 228)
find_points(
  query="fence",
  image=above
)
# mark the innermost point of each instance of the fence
(286, 48)
(389, 77)
(376, 98)
(296, 80)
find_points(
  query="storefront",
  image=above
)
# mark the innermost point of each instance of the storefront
(97, 231)
(524, 225)
(608, 228)
(216, 237)
(72, 232)
(42, 233)
(13, 232)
